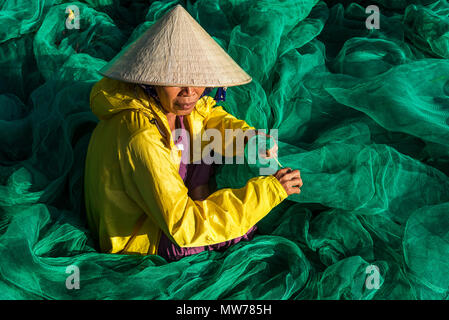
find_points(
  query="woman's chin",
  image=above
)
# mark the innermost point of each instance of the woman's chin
(184, 111)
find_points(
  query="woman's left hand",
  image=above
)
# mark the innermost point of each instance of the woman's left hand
(270, 153)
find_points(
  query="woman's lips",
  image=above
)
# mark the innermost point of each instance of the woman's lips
(186, 106)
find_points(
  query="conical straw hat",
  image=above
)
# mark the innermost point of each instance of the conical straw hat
(176, 51)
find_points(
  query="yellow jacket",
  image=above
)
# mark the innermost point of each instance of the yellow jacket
(133, 190)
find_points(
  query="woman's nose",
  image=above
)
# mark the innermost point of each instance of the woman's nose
(187, 91)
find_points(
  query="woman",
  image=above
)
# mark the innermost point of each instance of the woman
(140, 197)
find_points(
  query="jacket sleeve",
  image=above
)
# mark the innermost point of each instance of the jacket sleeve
(229, 127)
(151, 178)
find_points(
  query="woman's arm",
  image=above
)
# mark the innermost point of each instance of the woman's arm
(219, 119)
(152, 180)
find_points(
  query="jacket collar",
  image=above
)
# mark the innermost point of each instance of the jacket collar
(156, 116)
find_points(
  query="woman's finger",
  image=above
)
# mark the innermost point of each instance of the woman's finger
(295, 182)
(292, 174)
(294, 190)
(271, 153)
(280, 173)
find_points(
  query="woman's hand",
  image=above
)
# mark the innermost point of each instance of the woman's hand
(271, 153)
(290, 180)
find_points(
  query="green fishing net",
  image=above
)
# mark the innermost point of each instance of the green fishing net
(362, 113)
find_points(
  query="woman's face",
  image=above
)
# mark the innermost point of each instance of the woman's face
(179, 100)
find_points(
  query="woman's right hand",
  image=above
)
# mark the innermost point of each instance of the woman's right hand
(290, 180)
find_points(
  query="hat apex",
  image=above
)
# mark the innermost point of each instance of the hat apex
(176, 51)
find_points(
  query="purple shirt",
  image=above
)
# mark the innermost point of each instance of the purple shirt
(193, 175)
